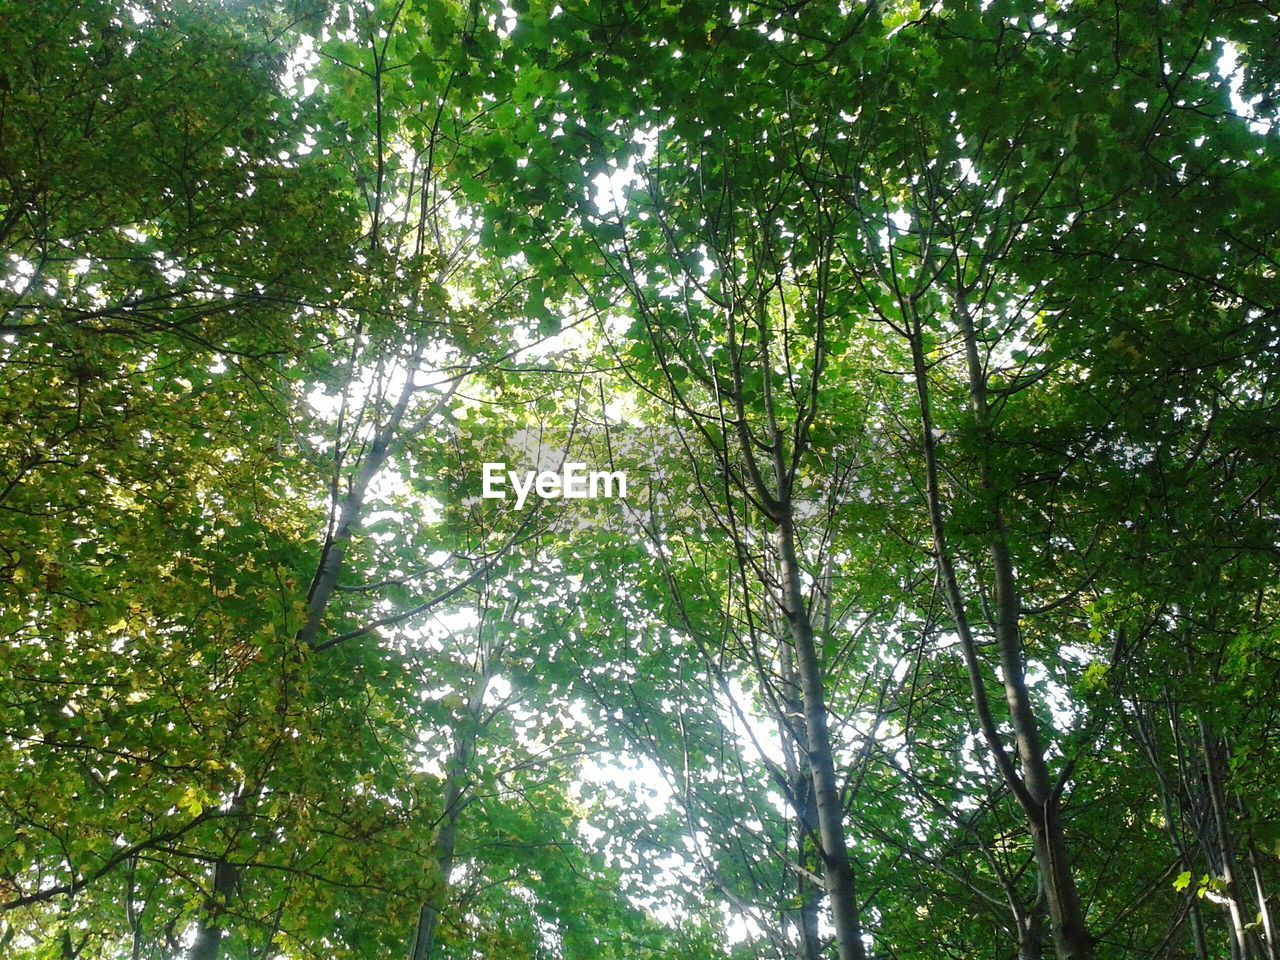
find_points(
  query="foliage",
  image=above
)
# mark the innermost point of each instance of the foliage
(938, 343)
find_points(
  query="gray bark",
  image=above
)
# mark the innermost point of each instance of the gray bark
(1145, 736)
(837, 871)
(349, 514)
(800, 779)
(429, 914)
(455, 798)
(208, 941)
(1244, 941)
(1264, 908)
(1034, 788)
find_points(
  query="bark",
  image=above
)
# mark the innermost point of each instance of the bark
(837, 870)
(349, 514)
(1271, 950)
(226, 877)
(428, 916)
(1144, 734)
(800, 779)
(810, 939)
(131, 915)
(1031, 929)
(208, 942)
(1033, 787)
(455, 799)
(1260, 891)
(1244, 941)
(1071, 937)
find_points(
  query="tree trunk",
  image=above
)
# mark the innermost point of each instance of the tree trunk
(1071, 939)
(800, 778)
(1245, 941)
(208, 942)
(1070, 935)
(837, 871)
(132, 917)
(425, 937)
(1264, 909)
(1033, 788)
(329, 568)
(455, 797)
(1031, 929)
(1144, 733)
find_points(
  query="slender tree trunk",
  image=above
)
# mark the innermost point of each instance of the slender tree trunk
(455, 794)
(1031, 929)
(1071, 937)
(1260, 890)
(810, 939)
(1034, 788)
(1144, 733)
(1245, 941)
(131, 914)
(796, 756)
(425, 937)
(208, 941)
(349, 514)
(837, 871)
(1270, 949)
(837, 868)
(808, 892)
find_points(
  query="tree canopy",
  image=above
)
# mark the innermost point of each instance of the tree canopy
(937, 614)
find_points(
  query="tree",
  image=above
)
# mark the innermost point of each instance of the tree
(937, 343)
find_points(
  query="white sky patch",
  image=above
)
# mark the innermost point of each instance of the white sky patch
(759, 734)
(298, 79)
(633, 774)
(629, 779)
(740, 927)
(611, 190)
(1232, 71)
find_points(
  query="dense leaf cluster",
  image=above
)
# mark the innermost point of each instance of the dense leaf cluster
(939, 343)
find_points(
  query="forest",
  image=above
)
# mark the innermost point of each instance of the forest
(639, 480)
